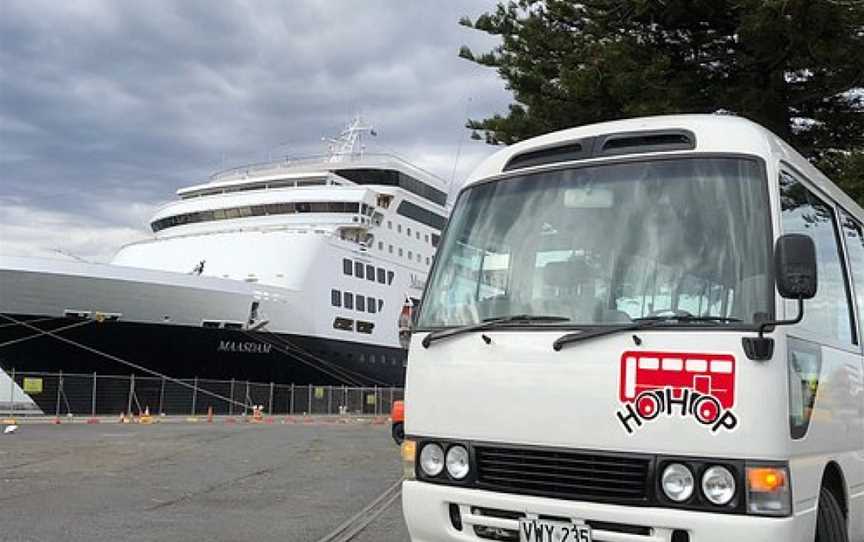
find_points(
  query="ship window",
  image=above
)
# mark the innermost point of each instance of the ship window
(371, 305)
(348, 300)
(421, 215)
(381, 245)
(427, 260)
(259, 210)
(435, 239)
(389, 224)
(245, 211)
(210, 323)
(365, 327)
(303, 207)
(218, 214)
(233, 325)
(232, 213)
(400, 252)
(381, 277)
(358, 270)
(410, 255)
(346, 266)
(370, 273)
(336, 298)
(390, 277)
(426, 237)
(390, 249)
(408, 230)
(380, 304)
(399, 228)
(361, 303)
(344, 324)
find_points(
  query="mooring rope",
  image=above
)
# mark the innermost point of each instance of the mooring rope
(131, 364)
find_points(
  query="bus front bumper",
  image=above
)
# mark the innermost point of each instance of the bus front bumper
(487, 515)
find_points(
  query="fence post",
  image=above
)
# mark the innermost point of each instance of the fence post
(391, 399)
(309, 398)
(12, 395)
(194, 393)
(59, 391)
(131, 392)
(330, 400)
(270, 410)
(161, 395)
(231, 402)
(345, 397)
(93, 398)
(291, 404)
(247, 399)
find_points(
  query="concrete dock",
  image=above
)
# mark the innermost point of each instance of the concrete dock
(195, 481)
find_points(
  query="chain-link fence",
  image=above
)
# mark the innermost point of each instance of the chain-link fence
(77, 394)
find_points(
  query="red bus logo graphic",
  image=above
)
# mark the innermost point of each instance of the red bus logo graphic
(701, 386)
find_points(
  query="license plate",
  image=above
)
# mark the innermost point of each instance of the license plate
(541, 530)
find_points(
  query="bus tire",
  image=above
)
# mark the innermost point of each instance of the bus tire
(830, 522)
(398, 432)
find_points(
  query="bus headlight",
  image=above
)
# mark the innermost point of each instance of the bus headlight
(768, 490)
(431, 459)
(457, 462)
(409, 453)
(677, 482)
(718, 485)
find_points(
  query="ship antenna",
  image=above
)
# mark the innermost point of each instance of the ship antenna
(458, 148)
(349, 143)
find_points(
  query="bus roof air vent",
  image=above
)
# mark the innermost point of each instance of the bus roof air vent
(653, 141)
(605, 145)
(572, 150)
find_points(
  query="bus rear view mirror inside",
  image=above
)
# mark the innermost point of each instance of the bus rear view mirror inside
(795, 272)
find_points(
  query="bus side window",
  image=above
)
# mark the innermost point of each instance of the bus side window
(855, 247)
(805, 364)
(828, 314)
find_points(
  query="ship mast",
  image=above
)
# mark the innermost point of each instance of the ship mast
(348, 145)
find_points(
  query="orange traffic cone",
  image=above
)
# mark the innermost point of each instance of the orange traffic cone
(145, 418)
(209, 414)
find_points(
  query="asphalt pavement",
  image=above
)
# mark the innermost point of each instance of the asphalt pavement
(194, 481)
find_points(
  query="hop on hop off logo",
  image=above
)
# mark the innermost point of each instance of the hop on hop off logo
(664, 384)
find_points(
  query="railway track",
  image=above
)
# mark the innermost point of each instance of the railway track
(354, 525)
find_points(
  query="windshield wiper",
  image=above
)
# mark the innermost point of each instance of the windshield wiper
(638, 324)
(489, 323)
(687, 318)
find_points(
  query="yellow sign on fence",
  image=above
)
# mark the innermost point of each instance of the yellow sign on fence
(370, 399)
(33, 385)
(319, 393)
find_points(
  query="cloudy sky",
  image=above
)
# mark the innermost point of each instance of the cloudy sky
(107, 107)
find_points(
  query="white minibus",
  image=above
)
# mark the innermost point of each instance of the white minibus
(646, 330)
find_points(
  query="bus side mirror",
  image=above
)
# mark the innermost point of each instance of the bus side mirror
(796, 275)
(795, 266)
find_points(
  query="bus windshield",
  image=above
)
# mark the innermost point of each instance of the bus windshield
(608, 244)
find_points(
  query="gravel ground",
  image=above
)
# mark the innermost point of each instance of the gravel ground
(190, 481)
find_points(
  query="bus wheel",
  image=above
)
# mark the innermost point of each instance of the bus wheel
(398, 432)
(830, 523)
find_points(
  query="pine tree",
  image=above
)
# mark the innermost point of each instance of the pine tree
(794, 66)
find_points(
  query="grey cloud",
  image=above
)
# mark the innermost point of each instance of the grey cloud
(126, 101)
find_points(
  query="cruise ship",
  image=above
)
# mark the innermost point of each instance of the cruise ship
(297, 271)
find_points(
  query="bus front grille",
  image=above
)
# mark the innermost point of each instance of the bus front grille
(564, 474)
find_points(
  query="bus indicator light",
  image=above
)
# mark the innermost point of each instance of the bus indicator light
(700, 386)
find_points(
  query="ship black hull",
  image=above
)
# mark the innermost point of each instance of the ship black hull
(188, 352)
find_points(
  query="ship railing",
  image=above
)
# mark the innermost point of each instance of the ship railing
(323, 160)
(64, 395)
